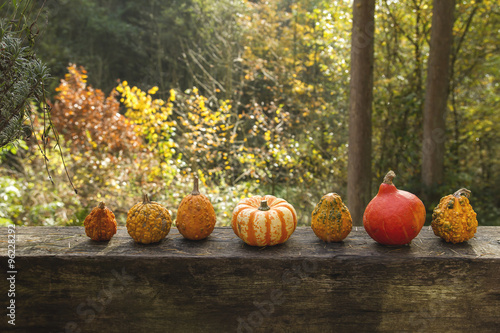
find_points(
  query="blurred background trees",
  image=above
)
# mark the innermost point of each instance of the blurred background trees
(253, 96)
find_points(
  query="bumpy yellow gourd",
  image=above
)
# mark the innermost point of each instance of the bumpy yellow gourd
(148, 222)
(331, 220)
(453, 219)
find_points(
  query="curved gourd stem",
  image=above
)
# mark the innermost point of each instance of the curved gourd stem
(196, 191)
(264, 205)
(389, 177)
(102, 205)
(462, 192)
(145, 199)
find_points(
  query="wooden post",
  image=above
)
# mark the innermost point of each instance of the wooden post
(360, 123)
(436, 97)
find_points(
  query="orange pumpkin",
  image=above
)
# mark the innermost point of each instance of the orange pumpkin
(100, 224)
(196, 215)
(263, 221)
(393, 217)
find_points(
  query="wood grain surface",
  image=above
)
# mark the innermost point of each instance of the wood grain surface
(67, 283)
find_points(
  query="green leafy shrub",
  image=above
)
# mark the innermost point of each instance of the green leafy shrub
(23, 75)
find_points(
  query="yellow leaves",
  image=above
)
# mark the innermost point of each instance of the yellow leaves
(204, 128)
(152, 91)
(201, 177)
(267, 136)
(309, 63)
(150, 115)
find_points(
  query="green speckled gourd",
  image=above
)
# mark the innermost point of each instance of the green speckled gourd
(331, 219)
(453, 219)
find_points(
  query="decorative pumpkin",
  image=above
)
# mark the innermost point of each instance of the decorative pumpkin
(100, 224)
(453, 219)
(393, 217)
(331, 220)
(263, 221)
(196, 215)
(148, 221)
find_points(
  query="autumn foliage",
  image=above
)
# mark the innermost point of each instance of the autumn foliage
(253, 97)
(89, 119)
(110, 155)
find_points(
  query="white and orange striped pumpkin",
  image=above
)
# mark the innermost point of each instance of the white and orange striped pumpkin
(263, 221)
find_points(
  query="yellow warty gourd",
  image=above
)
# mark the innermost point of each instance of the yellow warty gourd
(453, 219)
(148, 222)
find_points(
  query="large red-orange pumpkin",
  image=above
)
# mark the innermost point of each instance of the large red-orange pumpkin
(393, 217)
(263, 221)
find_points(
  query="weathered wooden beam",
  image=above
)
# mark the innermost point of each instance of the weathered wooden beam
(68, 283)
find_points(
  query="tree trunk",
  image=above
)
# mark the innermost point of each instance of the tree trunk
(360, 131)
(436, 97)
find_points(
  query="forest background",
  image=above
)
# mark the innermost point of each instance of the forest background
(252, 96)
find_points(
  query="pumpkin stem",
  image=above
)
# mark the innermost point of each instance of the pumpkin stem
(463, 191)
(389, 177)
(196, 191)
(101, 205)
(145, 199)
(263, 205)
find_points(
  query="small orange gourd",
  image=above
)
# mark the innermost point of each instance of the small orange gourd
(100, 224)
(148, 221)
(195, 215)
(331, 220)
